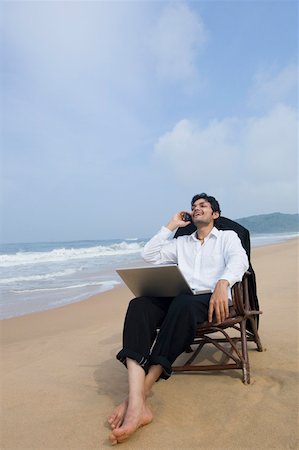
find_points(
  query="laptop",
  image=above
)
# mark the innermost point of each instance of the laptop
(157, 281)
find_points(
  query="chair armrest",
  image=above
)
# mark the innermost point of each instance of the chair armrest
(240, 292)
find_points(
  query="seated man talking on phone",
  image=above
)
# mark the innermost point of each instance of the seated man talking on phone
(209, 259)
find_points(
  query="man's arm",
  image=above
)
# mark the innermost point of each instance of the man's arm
(219, 302)
(236, 265)
(159, 250)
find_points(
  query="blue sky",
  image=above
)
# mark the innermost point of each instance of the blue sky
(116, 113)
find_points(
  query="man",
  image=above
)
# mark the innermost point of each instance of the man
(209, 259)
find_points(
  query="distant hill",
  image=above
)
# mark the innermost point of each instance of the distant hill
(271, 223)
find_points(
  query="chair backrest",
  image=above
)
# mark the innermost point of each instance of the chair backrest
(223, 223)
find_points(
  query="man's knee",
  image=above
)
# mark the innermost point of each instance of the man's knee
(140, 305)
(186, 304)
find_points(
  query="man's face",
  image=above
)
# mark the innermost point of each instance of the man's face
(202, 212)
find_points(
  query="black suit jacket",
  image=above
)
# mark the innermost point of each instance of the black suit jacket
(223, 223)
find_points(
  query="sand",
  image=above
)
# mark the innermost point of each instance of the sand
(60, 379)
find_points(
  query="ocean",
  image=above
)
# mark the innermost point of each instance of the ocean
(40, 276)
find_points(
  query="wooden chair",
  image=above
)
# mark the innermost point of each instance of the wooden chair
(232, 335)
(242, 319)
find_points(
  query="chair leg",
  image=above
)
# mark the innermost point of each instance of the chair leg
(245, 362)
(256, 335)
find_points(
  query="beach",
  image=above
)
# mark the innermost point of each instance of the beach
(60, 378)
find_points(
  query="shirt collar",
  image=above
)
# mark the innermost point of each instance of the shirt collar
(213, 232)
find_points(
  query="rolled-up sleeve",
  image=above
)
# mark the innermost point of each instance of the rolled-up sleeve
(235, 258)
(160, 250)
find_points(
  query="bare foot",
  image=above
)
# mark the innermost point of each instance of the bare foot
(115, 420)
(136, 416)
(117, 417)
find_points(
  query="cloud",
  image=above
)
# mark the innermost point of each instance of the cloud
(72, 77)
(192, 149)
(250, 161)
(270, 145)
(238, 157)
(88, 88)
(79, 71)
(175, 40)
(271, 87)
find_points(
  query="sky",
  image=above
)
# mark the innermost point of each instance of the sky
(115, 113)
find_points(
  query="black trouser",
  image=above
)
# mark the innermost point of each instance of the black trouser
(177, 319)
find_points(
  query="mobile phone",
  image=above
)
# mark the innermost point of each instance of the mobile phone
(186, 217)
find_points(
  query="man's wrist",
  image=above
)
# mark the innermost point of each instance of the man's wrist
(223, 283)
(172, 226)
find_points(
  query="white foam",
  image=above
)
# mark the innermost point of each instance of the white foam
(48, 276)
(73, 286)
(63, 254)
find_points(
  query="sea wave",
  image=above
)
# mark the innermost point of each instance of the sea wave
(47, 276)
(65, 254)
(110, 283)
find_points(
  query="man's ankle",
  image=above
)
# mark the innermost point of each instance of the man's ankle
(137, 397)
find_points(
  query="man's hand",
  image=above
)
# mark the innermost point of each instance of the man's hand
(219, 302)
(177, 221)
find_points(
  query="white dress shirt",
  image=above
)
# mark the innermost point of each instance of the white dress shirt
(221, 256)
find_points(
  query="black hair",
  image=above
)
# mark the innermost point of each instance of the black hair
(212, 200)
